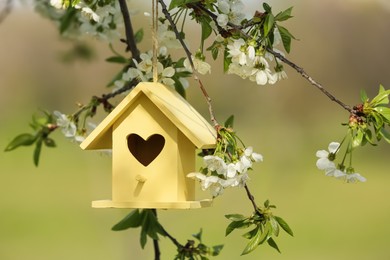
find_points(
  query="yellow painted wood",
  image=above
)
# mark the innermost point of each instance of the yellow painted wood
(175, 107)
(153, 205)
(153, 134)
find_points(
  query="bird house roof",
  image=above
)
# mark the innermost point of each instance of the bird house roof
(170, 103)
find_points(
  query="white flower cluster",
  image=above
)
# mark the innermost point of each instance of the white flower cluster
(230, 11)
(221, 174)
(68, 127)
(166, 37)
(248, 61)
(325, 162)
(143, 71)
(199, 65)
(94, 19)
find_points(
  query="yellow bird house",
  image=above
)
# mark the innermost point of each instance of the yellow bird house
(153, 134)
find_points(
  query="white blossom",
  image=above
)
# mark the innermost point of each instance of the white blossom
(230, 11)
(354, 177)
(222, 20)
(59, 4)
(324, 161)
(200, 66)
(281, 75)
(224, 6)
(67, 126)
(254, 156)
(167, 37)
(235, 51)
(90, 13)
(222, 174)
(215, 163)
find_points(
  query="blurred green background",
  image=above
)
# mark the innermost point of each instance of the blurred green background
(45, 212)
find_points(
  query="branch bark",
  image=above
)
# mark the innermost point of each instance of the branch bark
(252, 199)
(130, 39)
(301, 71)
(156, 245)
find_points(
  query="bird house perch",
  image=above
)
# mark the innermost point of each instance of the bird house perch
(153, 134)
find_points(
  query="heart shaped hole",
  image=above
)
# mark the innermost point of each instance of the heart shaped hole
(145, 151)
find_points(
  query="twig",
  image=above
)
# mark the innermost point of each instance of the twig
(6, 10)
(156, 246)
(189, 57)
(310, 79)
(174, 240)
(174, 28)
(130, 40)
(252, 199)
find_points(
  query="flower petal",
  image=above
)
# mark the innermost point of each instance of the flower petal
(333, 146)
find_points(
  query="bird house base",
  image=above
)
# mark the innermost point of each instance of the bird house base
(153, 205)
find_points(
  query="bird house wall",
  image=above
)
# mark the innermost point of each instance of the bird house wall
(164, 178)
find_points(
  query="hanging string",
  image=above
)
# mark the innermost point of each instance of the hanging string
(155, 40)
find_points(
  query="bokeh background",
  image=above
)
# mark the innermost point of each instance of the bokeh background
(45, 212)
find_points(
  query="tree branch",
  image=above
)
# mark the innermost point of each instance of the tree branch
(310, 79)
(130, 40)
(252, 199)
(189, 57)
(156, 246)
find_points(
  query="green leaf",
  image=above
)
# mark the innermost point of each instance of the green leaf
(229, 124)
(358, 138)
(144, 214)
(214, 53)
(363, 96)
(285, 15)
(385, 134)
(216, 250)
(250, 234)
(143, 238)
(20, 140)
(384, 111)
(368, 137)
(267, 8)
(236, 224)
(150, 224)
(274, 225)
(117, 59)
(273, 244)
(132, 220)
(198, 235)
(179, 87)
(49, 142)
(381, 98)
(226, 61)
(206, 29)
(378, 120)
(235, 217)
(139, 35)
(67, 18)
(37, 151)
(214, 49)
(176, 3)
(284, 225)
(268, 24)
(257, 240)
(286, 37)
